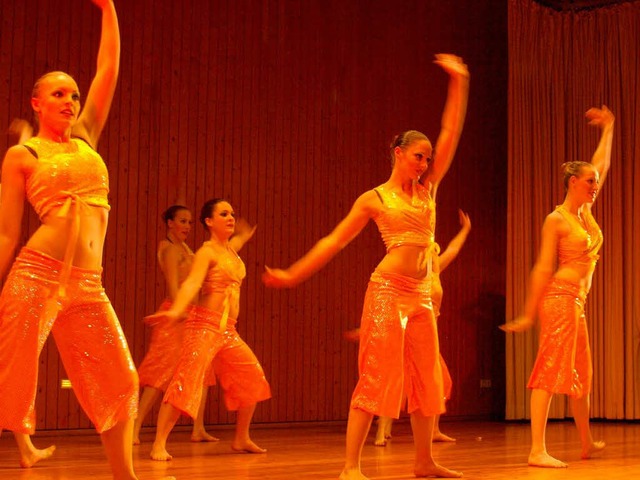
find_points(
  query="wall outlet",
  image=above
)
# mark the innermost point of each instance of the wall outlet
(485, 383)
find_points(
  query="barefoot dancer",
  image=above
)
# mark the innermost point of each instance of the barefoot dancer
(399, 339)
(175, 259)
(571, 239)
(210, 334)
(55, 282)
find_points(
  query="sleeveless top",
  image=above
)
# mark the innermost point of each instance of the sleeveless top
(65, 173)
(185, 261)
(581, 245)
(401, 223)
(71, 176)
(225, 277)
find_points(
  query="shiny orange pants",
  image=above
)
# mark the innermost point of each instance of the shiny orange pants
(399, 352)
(87, 333)
(239, 372)
(159, 363)
(563, 363)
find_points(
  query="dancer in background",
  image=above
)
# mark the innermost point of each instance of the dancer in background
(156, 370)
(558, 288)
(210, 334)
(55, 282)
(399, 352)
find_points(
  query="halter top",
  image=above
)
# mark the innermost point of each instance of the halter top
(225, 277)
(65, 173)
(71, 176)
(401, 223)
(581, 245)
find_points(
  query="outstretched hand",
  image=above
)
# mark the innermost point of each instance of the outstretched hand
(520, 324)
(600, 117)
(244, 230)
(161, 317)
(465, 221)
(21, 130)
(452, 64)
(277, 278)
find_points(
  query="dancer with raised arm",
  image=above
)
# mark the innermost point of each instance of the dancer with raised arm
(55, 282)
(558, 286)
(398, 352)
(210, 334)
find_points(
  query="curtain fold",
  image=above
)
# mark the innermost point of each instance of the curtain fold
(560, 65)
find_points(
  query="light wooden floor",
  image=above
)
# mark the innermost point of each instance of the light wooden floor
(484, 450)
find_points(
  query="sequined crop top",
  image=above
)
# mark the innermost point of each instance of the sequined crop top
(227, 274)
(581, 245)
(401, 223)
(65, 172)
(225, 277)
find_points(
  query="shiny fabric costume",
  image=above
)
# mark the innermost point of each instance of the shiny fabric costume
(210, 337)
(436, 300)
(43, 294)
(563, 363)
(399, 353)
(159, 363)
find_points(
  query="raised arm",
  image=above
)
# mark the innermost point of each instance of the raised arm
(453, 116)
(12, 198)
(540, 274)
(603, 119)
(98, 101)
(452, 250)
(242, 235)
(326, 248)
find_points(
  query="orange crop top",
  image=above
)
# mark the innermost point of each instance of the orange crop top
(65, 172)
(401, 223)
(225, 277)
(68, 175)
(582, 244)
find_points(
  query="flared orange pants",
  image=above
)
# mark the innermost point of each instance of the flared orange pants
(399, 352)
(563, 364)
(239, 372)
(159, 363)
(86, 331)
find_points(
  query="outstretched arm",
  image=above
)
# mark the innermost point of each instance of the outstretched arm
(604, 119)
(452, 250)
(452, 118)
(326, 248)
(98, 102)
(540, 275)
(189, 288)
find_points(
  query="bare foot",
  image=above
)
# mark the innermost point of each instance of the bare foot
(159, 453)
(441, 437)
(203, 436)
(545, 460)
(36, 455)
(435, 470)
(352, 474)
(247, 446)
(380, 440)
(595, 447)
(136, 440)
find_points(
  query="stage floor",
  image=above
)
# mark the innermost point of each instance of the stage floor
(484, 450)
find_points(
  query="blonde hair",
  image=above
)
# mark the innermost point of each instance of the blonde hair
(403, 140)
(573, 169)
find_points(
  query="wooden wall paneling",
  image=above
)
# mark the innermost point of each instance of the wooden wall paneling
(287, 111)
